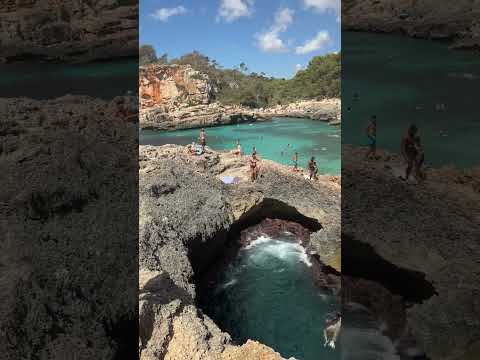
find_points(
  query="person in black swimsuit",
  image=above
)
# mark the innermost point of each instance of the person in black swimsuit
(409, 150)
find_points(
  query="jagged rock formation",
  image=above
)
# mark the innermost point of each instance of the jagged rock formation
(68, 225)
(456, 21)
(431, 229)
(178, 97)
(68, 30)
(173, 85)
(186, 213)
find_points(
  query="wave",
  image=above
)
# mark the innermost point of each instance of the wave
(284, 250)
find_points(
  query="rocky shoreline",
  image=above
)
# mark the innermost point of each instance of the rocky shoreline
(430, 229)
(215, 114)
(68, 31)
(456, 23)
(174, 97)
(188, 215)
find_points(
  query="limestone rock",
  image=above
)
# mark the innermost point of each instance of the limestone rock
(432, 228)
(456, 21)
(185, 215)
(68, 30)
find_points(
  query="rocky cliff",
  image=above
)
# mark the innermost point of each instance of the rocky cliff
(69, 229)
(186, 216)
(68, 30)
(173, 86)
(431, 230)
(456, 21)
(179, 97)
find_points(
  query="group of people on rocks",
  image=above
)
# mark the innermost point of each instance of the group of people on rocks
(411, 149)
(255, 159)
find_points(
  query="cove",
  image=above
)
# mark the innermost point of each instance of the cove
(400, 80)
(46, 80)
(267, 293)
(271, 138)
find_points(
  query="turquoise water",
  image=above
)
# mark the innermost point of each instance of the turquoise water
(401, 80)
(49, 80)
(271, 138)
(267, 294)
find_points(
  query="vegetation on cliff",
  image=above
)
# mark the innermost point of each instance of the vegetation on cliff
(320, 79)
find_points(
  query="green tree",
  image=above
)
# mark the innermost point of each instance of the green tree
(146, 54)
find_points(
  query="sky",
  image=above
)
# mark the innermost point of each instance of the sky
(276, 37)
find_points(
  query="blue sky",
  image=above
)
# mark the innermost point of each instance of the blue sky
(275, 37)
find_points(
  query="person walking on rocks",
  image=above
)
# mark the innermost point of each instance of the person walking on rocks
(409, 150)
(372, 137)
(312, 168)
(202, 139)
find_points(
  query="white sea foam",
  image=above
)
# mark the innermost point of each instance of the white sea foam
(284, 250)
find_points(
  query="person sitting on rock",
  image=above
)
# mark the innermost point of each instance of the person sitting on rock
(202, 139)
(312, 168)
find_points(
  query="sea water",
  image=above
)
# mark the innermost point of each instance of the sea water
(268, 294)
(403, 81)
(275, 140)
(46, 80)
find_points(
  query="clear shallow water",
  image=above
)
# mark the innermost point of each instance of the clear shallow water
(268, 294)
(401, 80)
(49, 80)
(271, 138)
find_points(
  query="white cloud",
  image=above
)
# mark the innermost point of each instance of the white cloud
(324, 6)
(164, 13)
(269, 41)
(320, 40)
(298, 67)
(231, 10)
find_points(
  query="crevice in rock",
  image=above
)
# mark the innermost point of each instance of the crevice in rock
(204, 253)
(273, 209)
(360, 260)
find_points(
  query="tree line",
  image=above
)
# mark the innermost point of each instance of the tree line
(320, 79)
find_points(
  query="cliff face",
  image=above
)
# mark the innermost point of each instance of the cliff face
(178, 97)
(171, 86)
(68, 30)
(456, 21)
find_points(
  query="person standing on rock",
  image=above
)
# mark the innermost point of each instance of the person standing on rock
(295, 161)
(419, 160)
(372, 137)
(254, 165)
(312, 168)
(238, 149)
(202, 139)
(409, 150)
